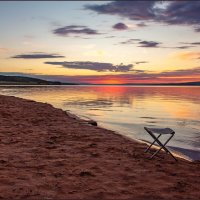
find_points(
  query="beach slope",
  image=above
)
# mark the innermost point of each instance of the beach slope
(47, 154)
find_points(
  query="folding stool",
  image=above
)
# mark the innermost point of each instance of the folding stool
(160, 131)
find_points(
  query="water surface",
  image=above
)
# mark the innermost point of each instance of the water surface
(127, 109)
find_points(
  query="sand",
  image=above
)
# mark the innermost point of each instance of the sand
(47, 154)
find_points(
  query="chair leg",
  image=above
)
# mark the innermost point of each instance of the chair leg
(162, 146)
(173, 156)
(157, 140)
(151, 144)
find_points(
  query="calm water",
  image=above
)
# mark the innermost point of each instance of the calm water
(127, 109)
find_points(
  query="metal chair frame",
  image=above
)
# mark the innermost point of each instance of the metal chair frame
(156, 139)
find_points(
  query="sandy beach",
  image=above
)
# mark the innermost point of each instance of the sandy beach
(47, 154)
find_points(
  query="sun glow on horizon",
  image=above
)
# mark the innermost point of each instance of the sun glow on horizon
(108, 81)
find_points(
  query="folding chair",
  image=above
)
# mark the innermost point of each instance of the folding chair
(160, 131)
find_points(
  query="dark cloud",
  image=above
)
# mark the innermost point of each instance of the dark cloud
(130, 41)
(82, 37)
(142, 43)
(149, 44)
(184, 47)
(142, 24)
(182, 12)
(112, 36)
(197, 29)
(195, 43)
(75, 30)
(181, 72)
(95, 66)
(181, 47)
(135, 10)
(169, 12)
(14, 74)
(136, 75)
(38, 55)
(140, 62)
(153, 44)
(191, 43)
(144, 75)
(120, 26)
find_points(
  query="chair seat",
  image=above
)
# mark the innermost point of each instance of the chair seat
(160, 130)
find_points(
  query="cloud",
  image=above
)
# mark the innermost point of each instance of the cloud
(170, 12)
(197, 29)
(149, 44)
(75, 30)
(142, 43)
(135, 10)
(95, 66)
(192, 43)
(154, 44)
(37, 55)
(137, 76)
(181, 72)
(14, 74)
(178, 47)
(186, 75)
(130, 41)
(187, 55)
(142, 24)
(182, 12)
(140, 62)
(3, 50)
(181, 47)
(112, 36)
(120, 26)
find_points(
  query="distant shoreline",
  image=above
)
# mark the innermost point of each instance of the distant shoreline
(1, 85)
(21, 80)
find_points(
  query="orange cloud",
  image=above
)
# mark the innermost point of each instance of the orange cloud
(3, 50)
(187, 55)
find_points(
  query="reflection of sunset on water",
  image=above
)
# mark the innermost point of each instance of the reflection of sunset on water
(127, 109)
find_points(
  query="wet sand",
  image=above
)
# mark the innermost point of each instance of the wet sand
(47, 154)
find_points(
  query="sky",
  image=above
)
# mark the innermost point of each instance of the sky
(106, 42)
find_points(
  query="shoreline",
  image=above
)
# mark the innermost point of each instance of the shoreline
(135, 85)
(47, 154)
(177, 154)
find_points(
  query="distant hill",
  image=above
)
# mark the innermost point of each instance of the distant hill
(170, 84)
(154, 84)
(20, 80)
(190, 83)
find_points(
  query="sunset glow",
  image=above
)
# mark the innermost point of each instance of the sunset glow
(90, 42)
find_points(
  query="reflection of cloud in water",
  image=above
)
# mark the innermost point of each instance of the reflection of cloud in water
(89, 103)
(182, 123)
(152, 122)
(101, 109)
(98, 103)
(118, 94)
(148, 117)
